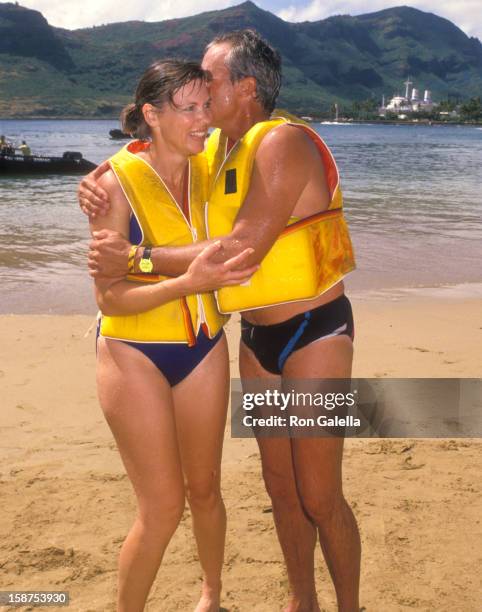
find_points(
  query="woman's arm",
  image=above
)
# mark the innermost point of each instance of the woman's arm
(116, 296)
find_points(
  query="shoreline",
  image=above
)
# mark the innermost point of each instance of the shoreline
(321, 121)
(444, 291)
(424, 122)
(441, 291)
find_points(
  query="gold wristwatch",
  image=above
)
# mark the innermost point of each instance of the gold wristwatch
(145, 264)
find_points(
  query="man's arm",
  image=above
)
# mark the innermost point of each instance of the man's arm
(109, 254)
(203, 275)
(284, 163)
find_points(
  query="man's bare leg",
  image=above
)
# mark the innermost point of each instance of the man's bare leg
(296, 533)
(318, 474)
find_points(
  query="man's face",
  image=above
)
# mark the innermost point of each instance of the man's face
(221, 89)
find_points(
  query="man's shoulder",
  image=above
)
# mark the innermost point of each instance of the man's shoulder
(289, 140)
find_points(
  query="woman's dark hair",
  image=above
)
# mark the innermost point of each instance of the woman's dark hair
(252, 56)
(158, 86)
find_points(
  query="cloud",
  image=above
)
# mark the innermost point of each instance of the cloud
(73, 14)
(464, 13)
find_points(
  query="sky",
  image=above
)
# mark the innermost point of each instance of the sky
(73, 14)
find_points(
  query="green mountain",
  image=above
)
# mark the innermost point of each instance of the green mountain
(52, 72)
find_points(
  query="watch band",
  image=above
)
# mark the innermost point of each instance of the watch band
(146, 265)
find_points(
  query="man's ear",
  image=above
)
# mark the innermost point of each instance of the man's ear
(247, 87)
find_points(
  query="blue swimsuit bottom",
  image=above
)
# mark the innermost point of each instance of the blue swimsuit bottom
(176, 361)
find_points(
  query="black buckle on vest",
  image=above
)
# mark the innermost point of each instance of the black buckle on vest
(230, 184)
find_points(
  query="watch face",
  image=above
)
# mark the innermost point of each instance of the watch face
(145, 265)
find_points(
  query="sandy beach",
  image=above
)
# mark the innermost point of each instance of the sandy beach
(67, 504)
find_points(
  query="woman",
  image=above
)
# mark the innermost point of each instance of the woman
(162, 366)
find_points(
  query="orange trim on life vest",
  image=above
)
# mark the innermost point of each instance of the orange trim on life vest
(138, 145)
(145, 278)
(331, 170)
(188, 322)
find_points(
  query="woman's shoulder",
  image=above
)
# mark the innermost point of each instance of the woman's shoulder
(109, 182)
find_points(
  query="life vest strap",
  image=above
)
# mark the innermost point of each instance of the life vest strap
(145, 278)
(312, 219)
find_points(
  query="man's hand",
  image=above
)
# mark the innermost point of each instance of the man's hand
(108, 255)
(93, 199)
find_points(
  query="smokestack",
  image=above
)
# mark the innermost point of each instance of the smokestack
(407, 84)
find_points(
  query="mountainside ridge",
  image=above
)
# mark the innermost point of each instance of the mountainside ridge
(48, 71)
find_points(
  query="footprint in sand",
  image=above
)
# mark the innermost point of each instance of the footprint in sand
(26, 407)
(107, 477)
(418, 348)
(450, 445)
(408, 465)
(81, 564)
(24, 383)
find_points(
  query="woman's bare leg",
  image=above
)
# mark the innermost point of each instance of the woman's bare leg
(200, 409)
(137, 404)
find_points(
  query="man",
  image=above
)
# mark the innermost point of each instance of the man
(6, 147)
(289, 175)
(25, 149)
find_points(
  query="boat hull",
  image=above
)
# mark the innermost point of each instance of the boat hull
(119, 135)
(36, 164)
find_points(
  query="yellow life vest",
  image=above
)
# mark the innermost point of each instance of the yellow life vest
(311, 254)
(163, 223)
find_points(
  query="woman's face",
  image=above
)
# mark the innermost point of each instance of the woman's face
(183, 125)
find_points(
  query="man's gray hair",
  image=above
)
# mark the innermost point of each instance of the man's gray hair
(252, 56)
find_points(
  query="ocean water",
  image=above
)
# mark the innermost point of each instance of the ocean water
(413, 201)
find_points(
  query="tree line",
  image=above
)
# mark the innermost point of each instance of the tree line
(470, 110)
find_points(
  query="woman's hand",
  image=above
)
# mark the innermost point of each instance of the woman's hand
(205, 275)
